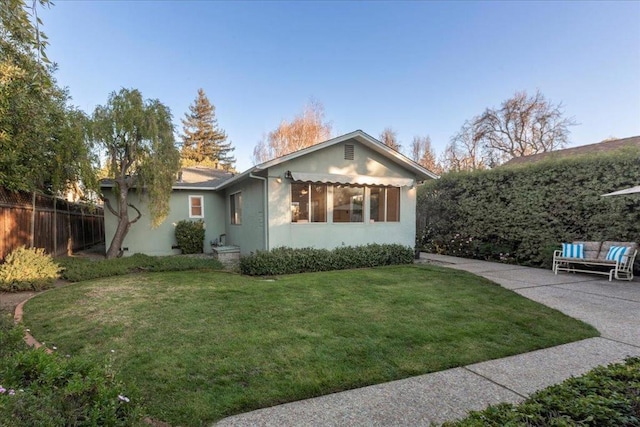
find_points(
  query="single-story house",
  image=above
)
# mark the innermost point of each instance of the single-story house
(349, 190)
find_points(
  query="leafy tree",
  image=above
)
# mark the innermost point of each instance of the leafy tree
(137, 137)
(41, 136)
(523, 125)
(389, 137)
(305, 130)
(203, 142)
(423, 153)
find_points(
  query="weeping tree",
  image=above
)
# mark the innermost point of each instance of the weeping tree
(42, 136)
(137, 137)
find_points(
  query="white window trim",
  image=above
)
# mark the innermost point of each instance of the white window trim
(201, 206)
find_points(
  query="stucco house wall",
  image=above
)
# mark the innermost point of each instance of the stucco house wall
(249, 235)
(329, 235)
(143, 238)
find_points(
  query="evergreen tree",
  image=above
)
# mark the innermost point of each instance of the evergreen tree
(203, 142)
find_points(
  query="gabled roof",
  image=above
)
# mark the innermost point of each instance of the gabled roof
(191, 178)
(600, 147)
(358, 135)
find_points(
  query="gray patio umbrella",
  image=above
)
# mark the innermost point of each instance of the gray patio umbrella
(631, 190)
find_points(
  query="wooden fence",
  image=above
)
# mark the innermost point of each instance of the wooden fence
(58, 226)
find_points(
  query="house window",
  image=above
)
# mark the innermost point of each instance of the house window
(308, 202)
(347, 203)
(235, 203)
(384, 204)
(196, 205)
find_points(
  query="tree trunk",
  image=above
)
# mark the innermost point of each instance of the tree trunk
(123, 224)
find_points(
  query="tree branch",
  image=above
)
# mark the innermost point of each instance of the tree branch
(107, 203)
(137, 210)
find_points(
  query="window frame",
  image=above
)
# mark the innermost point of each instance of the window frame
(383, 204)
(362, 192)
(235, 208)
(194, 197)
(310, 188)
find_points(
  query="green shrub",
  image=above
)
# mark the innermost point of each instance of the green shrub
(190, 236)
(289, 261)
(605, 396)
(11, 336)
(37, 388)
(28, 270)
(47, 389)
(78, 269)
(520, 214)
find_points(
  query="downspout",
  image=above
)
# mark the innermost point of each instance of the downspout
(265, 210)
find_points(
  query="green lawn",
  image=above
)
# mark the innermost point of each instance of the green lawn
(203, 345)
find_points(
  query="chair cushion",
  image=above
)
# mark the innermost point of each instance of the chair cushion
(604, 250)
(617, 253)
(572, 250)
(591, 249)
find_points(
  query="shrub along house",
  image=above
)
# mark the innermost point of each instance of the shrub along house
(350, 190)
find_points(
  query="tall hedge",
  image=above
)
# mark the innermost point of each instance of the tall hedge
(522, 213)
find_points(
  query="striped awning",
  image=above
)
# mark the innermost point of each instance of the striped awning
(330, 178)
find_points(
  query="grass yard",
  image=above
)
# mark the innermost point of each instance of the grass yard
(200, 346)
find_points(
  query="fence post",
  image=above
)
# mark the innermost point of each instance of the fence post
(70, 236)
(33, 220)
(55, 227)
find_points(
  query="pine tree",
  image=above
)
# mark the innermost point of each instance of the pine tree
(203, 142)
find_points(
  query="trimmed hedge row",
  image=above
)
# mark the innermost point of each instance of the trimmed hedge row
(605, 396)
(78, 269)
(522, 213)
(289, 261)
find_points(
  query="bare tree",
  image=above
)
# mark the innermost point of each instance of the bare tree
(423, 153)
(305, 130)
(465, 151)
(523, 125)
(389, 137)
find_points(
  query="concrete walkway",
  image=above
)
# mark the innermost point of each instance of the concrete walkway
(612, 307)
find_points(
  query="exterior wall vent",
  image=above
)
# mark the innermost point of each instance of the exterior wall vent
(348, 151)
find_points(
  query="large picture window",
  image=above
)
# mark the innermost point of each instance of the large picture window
(308, 202)
(384, 204)
(196, 207)
(347, 203)
(235, 203)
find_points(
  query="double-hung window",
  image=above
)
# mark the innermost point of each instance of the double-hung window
(196, 207)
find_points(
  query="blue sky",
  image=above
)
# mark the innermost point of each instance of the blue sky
(422, 68)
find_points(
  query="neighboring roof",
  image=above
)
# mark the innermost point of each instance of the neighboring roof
(600, 147)
(358, 135)
(201, 177)
(195, 177)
